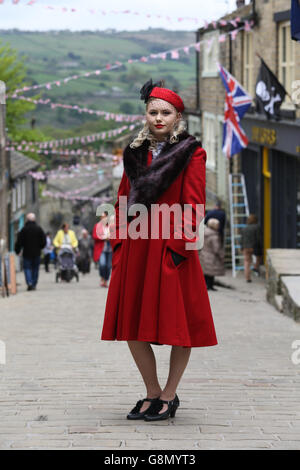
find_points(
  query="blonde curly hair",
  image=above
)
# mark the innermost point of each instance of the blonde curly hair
(145, 134)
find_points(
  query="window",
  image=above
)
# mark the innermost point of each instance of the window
(23, 191)
(14, 199)
(194, 126)
(210, 139)
(286, 60)
(33, 195)
(19, 194)
(210, 54)
(248, 62)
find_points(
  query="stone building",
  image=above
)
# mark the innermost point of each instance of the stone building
(271, 162)
(24, 197)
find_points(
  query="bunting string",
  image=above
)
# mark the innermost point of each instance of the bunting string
(171, 53)
(88, 139)
(66, 152)
(60, 195)
(98, 11)
(107, 115)
(72, 171)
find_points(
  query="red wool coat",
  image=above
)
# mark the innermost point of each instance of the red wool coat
(98, 242)
(150, 298)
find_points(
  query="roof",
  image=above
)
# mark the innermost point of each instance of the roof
(243, 12)
(20, 164)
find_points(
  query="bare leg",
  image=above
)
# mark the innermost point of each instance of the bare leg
(144, 358)
(247, 262)
(179, 359)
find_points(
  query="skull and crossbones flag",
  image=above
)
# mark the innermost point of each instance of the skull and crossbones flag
(269, 92)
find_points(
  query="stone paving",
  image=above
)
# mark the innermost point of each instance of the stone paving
(63, 388)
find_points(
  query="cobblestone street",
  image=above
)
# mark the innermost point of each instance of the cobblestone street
(63, 388)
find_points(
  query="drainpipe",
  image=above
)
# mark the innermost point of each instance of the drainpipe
(197, 72)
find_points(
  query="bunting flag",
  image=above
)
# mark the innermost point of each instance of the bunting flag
(85, 139)
(236, 104)
(107, 115)
(60, 195)
(47, 147)
(172, 54)
(270, 93)
(93, 11)
(72, 171)
(295, 20)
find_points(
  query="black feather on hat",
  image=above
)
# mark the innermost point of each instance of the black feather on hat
(147, 88)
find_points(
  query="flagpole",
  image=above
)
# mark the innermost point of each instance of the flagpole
(230, 71)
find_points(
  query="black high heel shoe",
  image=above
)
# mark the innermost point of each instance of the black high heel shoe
(135, 412)
(152, 414)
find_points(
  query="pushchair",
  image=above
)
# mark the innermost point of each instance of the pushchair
(67, 268)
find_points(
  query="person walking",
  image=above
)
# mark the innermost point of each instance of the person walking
(31, 240)
(217, 213)
(212, 254)
(157, 293)
(47, 251)
(84, 256)
(65, 238)
(251, 245)
(104, 251)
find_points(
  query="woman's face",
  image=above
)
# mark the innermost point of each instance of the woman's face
(161, 118)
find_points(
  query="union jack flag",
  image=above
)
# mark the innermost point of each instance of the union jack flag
(236, 104)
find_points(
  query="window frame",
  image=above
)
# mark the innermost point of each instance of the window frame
(209, 65)
(287, 65)
(248, 65)
(210, 142)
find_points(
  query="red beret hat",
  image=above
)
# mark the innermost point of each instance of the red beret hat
(150, 90)
(169, 96)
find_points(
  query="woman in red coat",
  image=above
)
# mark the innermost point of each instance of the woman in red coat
(157, 292)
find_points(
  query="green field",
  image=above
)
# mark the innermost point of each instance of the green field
(55, 55)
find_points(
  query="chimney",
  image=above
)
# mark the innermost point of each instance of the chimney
(240, 3)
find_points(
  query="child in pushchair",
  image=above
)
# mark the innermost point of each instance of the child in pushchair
(67, 268)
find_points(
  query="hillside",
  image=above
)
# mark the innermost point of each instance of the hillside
(55, 55)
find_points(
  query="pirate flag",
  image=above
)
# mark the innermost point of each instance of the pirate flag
(295, 20)
(269, 92)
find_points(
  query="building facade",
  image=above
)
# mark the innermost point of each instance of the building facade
(271, 162)
(24, 197)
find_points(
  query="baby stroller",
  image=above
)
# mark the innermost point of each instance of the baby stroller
(67, 268)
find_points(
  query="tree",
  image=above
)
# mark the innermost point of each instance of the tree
(13, 73)
(126, 107)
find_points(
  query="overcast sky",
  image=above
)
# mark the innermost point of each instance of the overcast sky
(37, 17)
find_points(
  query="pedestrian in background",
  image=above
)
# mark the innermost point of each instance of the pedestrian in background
(84, 256)
(212, 254)
(65, 238)
(251, 245)
(47, 252)
(31, 240)
(103, 248)
(217, 213)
